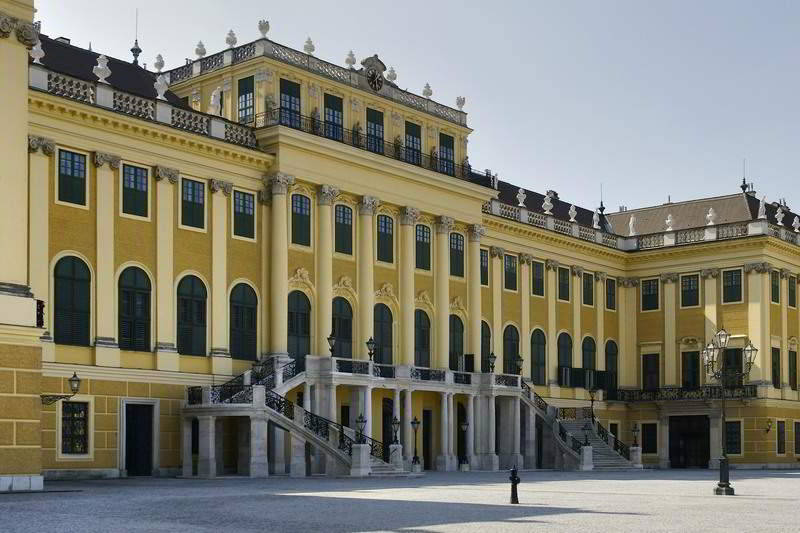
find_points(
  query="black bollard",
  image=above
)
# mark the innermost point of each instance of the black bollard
(514, 482)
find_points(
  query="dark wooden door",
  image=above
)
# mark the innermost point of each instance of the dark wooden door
(650, 378)
(387, 433)
(689, 442)
(139, 439)
(539, 442)
(427, 439)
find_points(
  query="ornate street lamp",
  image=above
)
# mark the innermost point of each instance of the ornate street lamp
(715, 363)
(396, 428)
(635, 431)
(519, 362)
(74, 387)
(587, 427)
(371, 347)
(492, 358)
(361, 422)
(464, 427)
(331, 343)
(415, 427)
(592, 395)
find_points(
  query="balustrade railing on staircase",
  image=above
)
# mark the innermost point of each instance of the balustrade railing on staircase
(618, 446)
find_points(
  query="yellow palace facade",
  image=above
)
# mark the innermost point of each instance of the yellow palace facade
(263, 263)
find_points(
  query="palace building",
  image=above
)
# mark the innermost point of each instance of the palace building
(264, 263)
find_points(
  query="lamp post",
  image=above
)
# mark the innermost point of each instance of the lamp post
(395, 427)
(492, 359)
(716, 365)
(592, 395)
(362, 423)
(415, 427)
(371, 348)
(464, 427)
(331, 343)
(74, 387)
(519, 362)
(635, 431)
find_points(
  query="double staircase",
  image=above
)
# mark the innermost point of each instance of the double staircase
(604, 456)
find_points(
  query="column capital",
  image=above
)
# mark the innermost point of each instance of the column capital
(25, 31)
(496, 251)
(279, 182)
(669, 277)
(600, 276)
(476, 231)
(785, 273)
(759, 268)
(444, 224)
(409, 216)
(525, 259)
(101, 158)
(368, 205)
(169, 174)
(709, 273)
(629, 282)
(551, 264)
(219, 185)
(576, 270)
(326, 194)
(48, 146)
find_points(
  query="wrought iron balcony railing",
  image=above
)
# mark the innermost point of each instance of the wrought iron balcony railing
(708, 392)
(427, 374)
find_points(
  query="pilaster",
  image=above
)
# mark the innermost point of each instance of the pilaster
(220, 196)
(408, 220)
(758, 318)
(279, 262)
(106, 348)
(551, 271)
(441, 282)
(166, 353)
(628, 311)
(496, 255)
(669, 283)
(326, 195)
(710, 278)
(366, 283)
(525, 312)
(577, 301)
(600, 315)
(474, 293)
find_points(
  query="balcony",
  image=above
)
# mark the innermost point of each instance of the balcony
(708, 392)
(582, 378)
(357, 139)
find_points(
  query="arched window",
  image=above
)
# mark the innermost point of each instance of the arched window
(589, 350)
(299, 325)
(244, 318)
(191, 316)
(486, 346)
(510, 350)
(342, 328)
(383, 334)
(422, 339)
(564, 360)
(538, 358)
(611, 366)
(72, 297)
(456, 341)
(134, 310)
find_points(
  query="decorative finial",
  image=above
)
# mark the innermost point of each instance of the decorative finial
(669, 222)
(200, 50)
(711, 217)
(136, 51)
(547, 205)
(231, 40)
(460, 101)
(37, 53)
(214, 105)
(572, 213)
(161, 85)
(779, 216)
(596, 220)
(762, 208)
(159, 63)
(521, 198)
(796, 224)
(350, 60)
(263, 28)
(101, 70)
(391, 75)
(632, 226)
(309, 47)
(427, 92)
(743, 186)
(602, 208)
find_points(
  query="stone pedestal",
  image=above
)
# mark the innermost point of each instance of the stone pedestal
(636, 456)
(259, 465)
(474, 462)
(442, 463)
(464, 467)
(396, 455)
(490, 461)
(360, 467)
(586, 458)
(298, 465)
(417, 468)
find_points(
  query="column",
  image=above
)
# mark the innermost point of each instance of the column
(326, 194)
(221, 362)
(515, 432)
(206, 460)
(476, 231)
(497, 254)
(785, 332)
(368, 410)
(663, 441)
(492, 459)
(525, 314)
(366, 284)
(441, 459)
(186, 447)
(451, 431)
(298, 450)
(600, 315)
(408, 220)
(39, 248)
(279, 264)
(166, 353)
(669, 283)
(307, 396)
(551, 270)
(577, 301)
(709, 276)
(441, 282)
(259, 465)
(265, 216)
(758, 319)
(628, 353)
(470, 440)
(396, 413)
(408, 434)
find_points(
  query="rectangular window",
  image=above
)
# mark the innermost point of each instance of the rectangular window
(71, 177)
(731, 286)
(74, 428)
(588, 289)
(344, 229)
(510, 272)
(244, 214)
(792, 291)
(649, 294)
(290, 104)
(781, 436)
(374, 131)
(690, 370)
(457, 255)
(245, 101)
(423, 247)
(733, 437)
(385, 239)
(563, 284)
(193, 203)
(485, 267)
(797, 438)
(413, 143)
(793, 369)
(611, 294)
(134, 190)
(334, 117)
(690, 290)
(537, 283)
(650, 438)
(447, 154)
(650, 372)
(775, 285)
(301, 220)
(776, 368)
(733, 362)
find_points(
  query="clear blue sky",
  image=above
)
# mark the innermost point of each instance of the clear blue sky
(649, 98)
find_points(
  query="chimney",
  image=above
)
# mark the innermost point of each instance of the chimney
(62, 40)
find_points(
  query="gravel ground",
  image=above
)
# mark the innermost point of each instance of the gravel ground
(476, 501)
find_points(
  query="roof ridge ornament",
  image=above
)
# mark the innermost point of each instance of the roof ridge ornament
(200, 50)
(521, 198)
(779, 215)
(596, 220)
(101, 70)
(391, 75)
(36, 52)
(263, 28)
(547, 205)
(350, 60)
(309, 47)
(161, 86)
(711, 216)
(572, 213)
(632, 226)
(669, 222)
(427, 92)
(460, 101)
(159, 63)
(762, 208)
(214, 104)
(796, 224)
(231, 40)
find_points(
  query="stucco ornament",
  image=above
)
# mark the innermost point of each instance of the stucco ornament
(796, 224)
(427, 92)
(159, 63)
(547, 205)
(309, 47)
(596, 220)
(350, 60)
(37, 53)
(460, 101)
(7, 24)
(711, 217)
(214, 104)
(101, 69)
(391, 75)
(779, 216)
(26, 34)
(632, 226)
(263, 28)
(572, 213)
(161, 86)
(762, 208)
(669, 222)
(200, 50)
(230, 39)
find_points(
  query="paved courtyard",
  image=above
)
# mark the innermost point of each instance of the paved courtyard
(478, 501)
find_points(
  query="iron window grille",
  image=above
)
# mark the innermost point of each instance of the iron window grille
(74, 428)
(733, 437)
